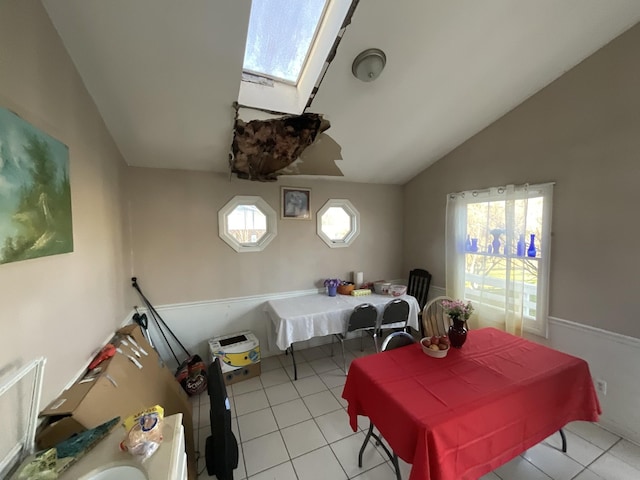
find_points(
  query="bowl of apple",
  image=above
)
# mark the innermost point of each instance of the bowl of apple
(436, 346)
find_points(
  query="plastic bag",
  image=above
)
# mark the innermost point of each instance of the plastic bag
(43, 467)
(144, 433)
(192, 375)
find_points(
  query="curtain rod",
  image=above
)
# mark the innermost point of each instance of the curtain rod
(500, 188)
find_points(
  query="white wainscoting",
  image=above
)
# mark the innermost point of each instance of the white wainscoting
(612, 357)
(436, 292)
(195, 323)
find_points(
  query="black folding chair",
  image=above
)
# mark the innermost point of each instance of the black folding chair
(363, 318)
(396, 311)
(397, 340)
(394, 340)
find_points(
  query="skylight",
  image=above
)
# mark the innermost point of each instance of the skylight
(281, 34)
(289, 43)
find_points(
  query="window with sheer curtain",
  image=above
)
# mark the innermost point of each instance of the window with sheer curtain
(497, 255)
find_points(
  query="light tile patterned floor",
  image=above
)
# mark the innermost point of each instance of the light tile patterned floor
(300, 430)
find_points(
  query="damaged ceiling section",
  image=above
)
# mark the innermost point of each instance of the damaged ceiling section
(263, 149)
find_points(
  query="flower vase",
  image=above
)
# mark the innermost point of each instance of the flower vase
(531, 252)
(332, 290)
(457, 333)
(496, 244)
(520, 247)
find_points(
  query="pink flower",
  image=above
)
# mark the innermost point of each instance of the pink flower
(457, 309)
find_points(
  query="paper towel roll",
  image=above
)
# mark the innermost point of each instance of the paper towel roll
(358, 279)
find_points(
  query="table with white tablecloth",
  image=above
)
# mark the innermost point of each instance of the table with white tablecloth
(295, 319)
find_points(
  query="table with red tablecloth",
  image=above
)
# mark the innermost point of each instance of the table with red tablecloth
(461, 416)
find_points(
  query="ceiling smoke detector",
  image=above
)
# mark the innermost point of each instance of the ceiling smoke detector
(369, 64)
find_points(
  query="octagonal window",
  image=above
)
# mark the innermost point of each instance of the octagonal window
(247, 224)
(338, 223)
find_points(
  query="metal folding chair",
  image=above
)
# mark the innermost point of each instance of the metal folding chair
(364, 317)
(396, 311)
(397, 340)
(394, 340)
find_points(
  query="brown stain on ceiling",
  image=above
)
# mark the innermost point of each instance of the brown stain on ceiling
(261, 149)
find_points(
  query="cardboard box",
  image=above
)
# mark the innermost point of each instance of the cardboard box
(243, 373)
(239, 354)
(126, 383)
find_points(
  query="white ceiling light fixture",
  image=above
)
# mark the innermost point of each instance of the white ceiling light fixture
(369, 64)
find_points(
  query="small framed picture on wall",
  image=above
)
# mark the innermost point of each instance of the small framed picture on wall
(295, 203)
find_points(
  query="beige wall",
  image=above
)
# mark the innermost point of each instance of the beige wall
(62, 307)
(178, 256)
(583, 132)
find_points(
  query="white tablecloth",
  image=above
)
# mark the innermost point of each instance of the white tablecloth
(296, 319)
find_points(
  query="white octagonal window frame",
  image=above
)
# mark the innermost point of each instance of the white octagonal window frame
(354, 216)
(247, 200)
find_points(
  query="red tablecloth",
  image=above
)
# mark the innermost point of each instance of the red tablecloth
(459, 417)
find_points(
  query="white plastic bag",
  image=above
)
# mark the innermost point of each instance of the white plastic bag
(144, 432)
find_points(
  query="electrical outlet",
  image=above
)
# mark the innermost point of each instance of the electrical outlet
(601, 386)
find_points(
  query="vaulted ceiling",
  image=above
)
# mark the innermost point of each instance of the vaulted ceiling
(164, 74)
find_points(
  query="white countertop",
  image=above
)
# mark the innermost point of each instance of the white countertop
(107, 452)
(163, 464)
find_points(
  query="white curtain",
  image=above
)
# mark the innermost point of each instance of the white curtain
(488, 235)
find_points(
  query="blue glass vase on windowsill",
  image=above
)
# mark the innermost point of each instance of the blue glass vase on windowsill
(520, 247)
(495, 244)
(531, 252)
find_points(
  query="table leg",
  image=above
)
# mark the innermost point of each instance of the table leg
(392, 456)
(396, 466)
(564, 441)
(293, 359)
(364, 444)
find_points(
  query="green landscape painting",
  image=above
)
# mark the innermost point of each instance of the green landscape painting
(35, 195)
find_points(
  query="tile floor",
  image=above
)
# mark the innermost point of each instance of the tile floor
(300, 430)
